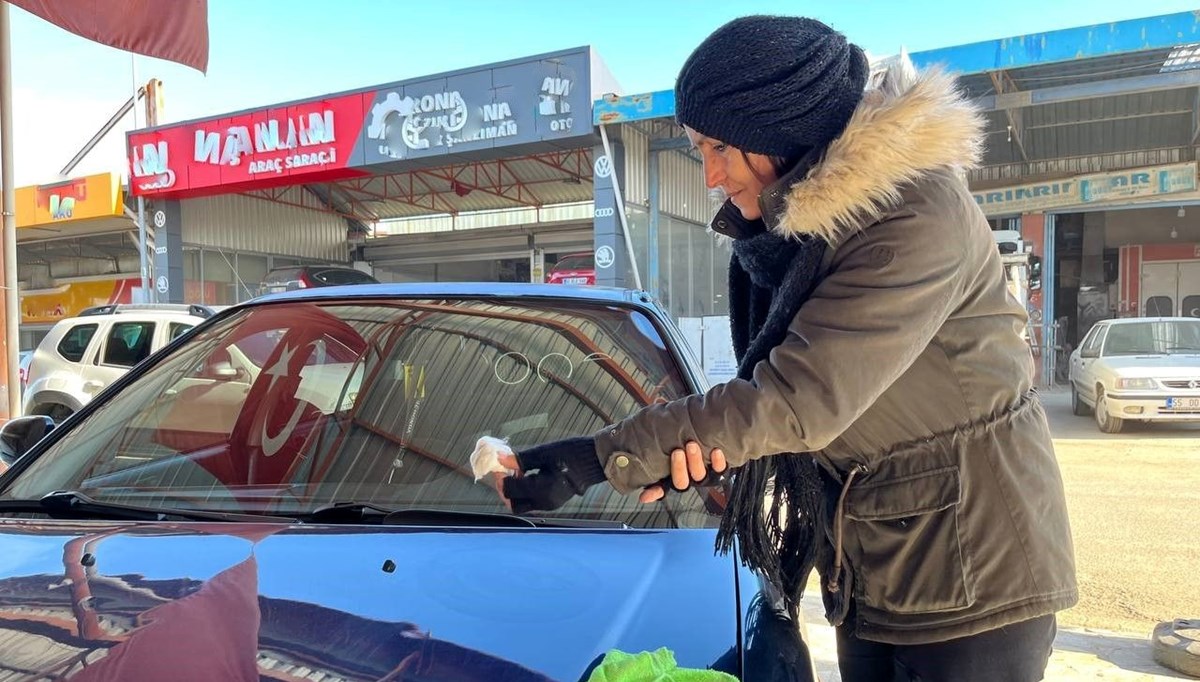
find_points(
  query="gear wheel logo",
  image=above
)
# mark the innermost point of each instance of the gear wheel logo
(394, 121)
(392, 104)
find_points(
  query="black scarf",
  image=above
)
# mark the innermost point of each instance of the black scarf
(770, 277)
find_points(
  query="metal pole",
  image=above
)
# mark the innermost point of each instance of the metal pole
(12, 299)
(1049, 342)
(143, 254)
(637, 277)
(652, 264)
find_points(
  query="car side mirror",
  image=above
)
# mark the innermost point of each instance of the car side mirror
(223, 370)
(19, 435)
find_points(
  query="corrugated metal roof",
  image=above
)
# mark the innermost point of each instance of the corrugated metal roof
(245, 223)
(1105, 125)
(537, 180)
(1089, 70)
(683, 193)
(1079, 135)
(100, 246)
(487, 219)
(1010, 173)
(25, 652)
(637, 167)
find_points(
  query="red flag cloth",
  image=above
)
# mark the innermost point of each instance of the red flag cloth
(174, 30)
(211, 634)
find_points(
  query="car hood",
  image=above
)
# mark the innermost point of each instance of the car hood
(1176, 366)
(237, 601)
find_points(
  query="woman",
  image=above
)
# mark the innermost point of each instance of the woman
(883, 426)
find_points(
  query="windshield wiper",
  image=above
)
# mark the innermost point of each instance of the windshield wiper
(1186, 348)
(76, 505)
(363, 512)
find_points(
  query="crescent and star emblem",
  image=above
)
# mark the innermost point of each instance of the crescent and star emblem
(271, 445)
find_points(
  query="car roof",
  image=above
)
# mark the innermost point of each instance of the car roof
(310, 266)
(1136, 320)
(465, 290)
(132, 313)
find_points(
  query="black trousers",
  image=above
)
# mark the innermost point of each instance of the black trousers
(1015, 653)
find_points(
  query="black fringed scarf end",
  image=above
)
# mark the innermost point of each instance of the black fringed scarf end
(776, 502)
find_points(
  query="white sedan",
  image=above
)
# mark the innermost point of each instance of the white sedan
(1143, 369)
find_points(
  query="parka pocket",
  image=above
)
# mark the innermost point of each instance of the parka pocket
(911, 557)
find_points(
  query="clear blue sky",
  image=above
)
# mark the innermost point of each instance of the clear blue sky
(267, 51)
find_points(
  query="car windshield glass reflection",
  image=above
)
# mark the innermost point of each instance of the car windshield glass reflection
(291, 406)
(575, 263)
(1160, 337)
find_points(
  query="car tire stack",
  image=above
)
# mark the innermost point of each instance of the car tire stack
(1177, 646)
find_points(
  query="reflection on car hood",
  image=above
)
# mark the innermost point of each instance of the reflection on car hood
(1176, 366)
(236, 601)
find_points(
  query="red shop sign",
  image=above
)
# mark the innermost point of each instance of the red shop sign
(304, 142)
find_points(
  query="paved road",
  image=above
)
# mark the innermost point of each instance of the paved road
(1134, 501)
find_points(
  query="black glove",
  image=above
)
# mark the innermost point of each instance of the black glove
(553, 474)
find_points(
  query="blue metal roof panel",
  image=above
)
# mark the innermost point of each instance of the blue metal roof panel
(1069, 44)
(1097, 51)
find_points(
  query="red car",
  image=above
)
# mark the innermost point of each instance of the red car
(575, 268)
(311, 276)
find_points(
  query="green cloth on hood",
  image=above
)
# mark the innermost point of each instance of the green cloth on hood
(658, 666)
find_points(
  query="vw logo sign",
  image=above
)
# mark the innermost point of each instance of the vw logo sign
(605, 257)
(160, 219)
(603, 166)
(605, 212)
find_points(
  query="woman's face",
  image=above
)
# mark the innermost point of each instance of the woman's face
(742, 177)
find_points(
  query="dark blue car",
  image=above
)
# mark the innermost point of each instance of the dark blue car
(285, 494)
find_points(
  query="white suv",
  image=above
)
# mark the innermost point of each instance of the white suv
(83, 355)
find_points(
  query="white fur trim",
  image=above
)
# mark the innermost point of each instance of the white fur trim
(910, 124)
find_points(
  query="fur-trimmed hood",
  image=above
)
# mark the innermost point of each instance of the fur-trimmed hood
(907, 125)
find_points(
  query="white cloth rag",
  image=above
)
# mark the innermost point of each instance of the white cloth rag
(486, 458)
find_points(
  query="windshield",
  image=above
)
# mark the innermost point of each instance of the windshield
(337, 276)
(287, 407)
(282, 276)
(1156, 337)
(581, 262)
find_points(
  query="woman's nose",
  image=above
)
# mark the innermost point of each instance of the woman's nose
(714, 174)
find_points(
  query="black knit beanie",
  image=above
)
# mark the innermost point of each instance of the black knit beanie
(778, 86)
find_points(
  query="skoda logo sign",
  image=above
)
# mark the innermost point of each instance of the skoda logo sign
(605, 257)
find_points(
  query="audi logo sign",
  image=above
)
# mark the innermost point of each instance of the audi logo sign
(605, 212)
